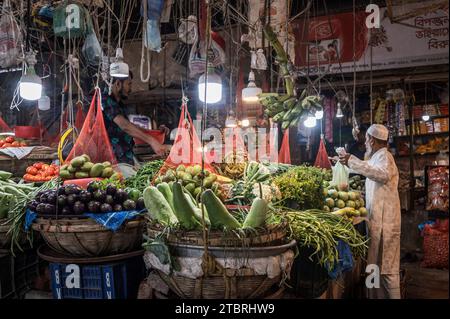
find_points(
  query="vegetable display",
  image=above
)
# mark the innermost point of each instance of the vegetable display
(321, 231)
(191, 178)
(72, 200)
(82, 167)
(174, 206)
(144, 176)
(12, 142)
(41, 172)
(11, 193)
(340, 201)
(301, 186)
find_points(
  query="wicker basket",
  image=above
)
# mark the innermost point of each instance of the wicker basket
(274, 234)
(245, 285)
(87, 238)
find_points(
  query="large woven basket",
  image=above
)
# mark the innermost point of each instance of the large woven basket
(87, 238)
(245, 285)
(272, 235)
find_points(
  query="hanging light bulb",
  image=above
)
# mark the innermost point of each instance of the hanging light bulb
(213, 87)
(339, 113)
(231, 120)
(310, 121)
(245, 122)
(119, 69)
(30, 86)
(319, 114)
(251, 92)
(425, 115)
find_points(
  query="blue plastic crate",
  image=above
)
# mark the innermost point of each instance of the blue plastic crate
(119, 280)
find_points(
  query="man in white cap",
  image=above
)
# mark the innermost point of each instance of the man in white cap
(383, 204)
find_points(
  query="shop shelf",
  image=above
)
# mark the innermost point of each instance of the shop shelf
(423, 135)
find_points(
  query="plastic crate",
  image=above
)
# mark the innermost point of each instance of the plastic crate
(118, 280)
(308, 279)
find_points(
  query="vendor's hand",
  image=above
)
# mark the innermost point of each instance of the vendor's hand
(334, 159)
(344, 159)
(162, 150)
(165, 129)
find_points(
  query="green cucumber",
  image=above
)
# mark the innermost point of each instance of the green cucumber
(218, 213)
(257, 215)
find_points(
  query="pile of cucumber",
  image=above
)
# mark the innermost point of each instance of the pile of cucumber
(173, 205)
(82, 167)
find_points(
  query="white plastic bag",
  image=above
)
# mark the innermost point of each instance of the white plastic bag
(92, 50)
(340, 176)
(10, 37)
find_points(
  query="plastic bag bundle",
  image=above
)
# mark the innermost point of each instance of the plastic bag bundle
(93, 139)
(322, 160)
(10, 37)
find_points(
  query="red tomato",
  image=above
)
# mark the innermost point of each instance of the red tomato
(27, 177)
(9, 139)
(15, 144)
(44, 167)
(32, 170)
(2, 142)
(22, 144)
(6, 145)
(38, 165)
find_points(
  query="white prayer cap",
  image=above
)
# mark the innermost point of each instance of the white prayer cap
(378, 131)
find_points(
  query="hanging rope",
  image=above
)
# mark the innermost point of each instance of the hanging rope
(146, 78)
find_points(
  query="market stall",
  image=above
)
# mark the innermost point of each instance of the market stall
(138, 161)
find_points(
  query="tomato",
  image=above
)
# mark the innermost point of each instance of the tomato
(50, 171)
(38, 165)
(44, 167)
(2, 142)
(15, 144)
(27, 177)
(22, 144)
(48, 178)
(32, 170)
(9, 139)
(6, 145)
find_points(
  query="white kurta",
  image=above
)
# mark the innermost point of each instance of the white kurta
(383, 205)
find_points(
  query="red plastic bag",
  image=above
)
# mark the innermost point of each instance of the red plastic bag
(187, 149)
(4, 127)
(322, 159)
(285, 151)
(435, 245)
(93, 139)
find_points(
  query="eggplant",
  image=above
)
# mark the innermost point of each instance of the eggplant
(120, 196)
(109, 199)
(71, 199)
(62, 200)
(79, 208)
(93, 186)
(140, 205)
(50, 209)
(117, 208)
(40, 209)
(51, 198)
(85, 197)
(66, 211)
(72, 189)
(33, 205)
(43, 198)
(129, 204)
(99, 196)
(94, 207)
(111, 190)
(62, 190)
(106, 208)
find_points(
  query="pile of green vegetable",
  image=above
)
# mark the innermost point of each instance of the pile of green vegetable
(82, 167)
(301, 186)
(173, 205)
(321, 231)
(191, 177)
(145, 175)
